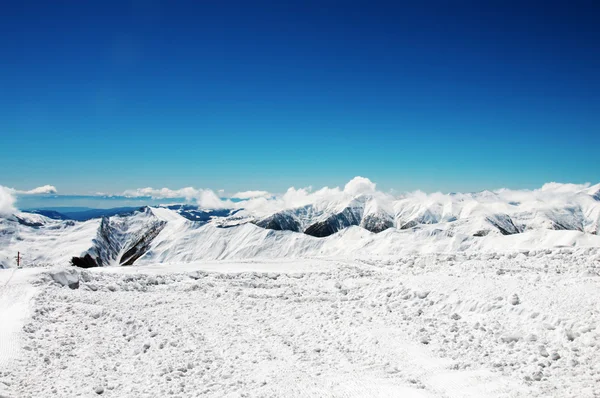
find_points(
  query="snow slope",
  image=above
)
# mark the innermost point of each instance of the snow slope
(16, 293)
(42, 241)
(161, 235)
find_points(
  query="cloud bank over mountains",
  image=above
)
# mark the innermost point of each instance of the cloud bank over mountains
(7, 201)
(8, 197)
(260, 202)
(258, 199)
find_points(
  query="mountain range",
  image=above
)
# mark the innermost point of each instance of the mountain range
(347, 223)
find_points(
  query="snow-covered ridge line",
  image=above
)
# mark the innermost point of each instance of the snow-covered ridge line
(356, 221)
(162, 235)
(506, 212)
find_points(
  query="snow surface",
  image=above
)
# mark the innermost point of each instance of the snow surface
(523, 324)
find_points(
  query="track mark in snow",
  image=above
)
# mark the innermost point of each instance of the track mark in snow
(434, 373)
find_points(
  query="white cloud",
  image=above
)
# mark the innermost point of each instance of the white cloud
(7, 201)
(46, 189)
(208, 199)
(251, 194)
(261, 203)
(188, 193)
(204, 197)
(564, 188)
(359, 185)
(299, 197)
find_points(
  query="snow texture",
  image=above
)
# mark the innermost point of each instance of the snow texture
(417, 326)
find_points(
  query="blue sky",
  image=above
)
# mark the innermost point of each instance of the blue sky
(451, 96)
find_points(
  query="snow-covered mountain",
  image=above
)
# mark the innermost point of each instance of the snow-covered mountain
(349, 222)
(501, 212)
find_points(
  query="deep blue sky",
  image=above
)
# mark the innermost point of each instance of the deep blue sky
(450, 95)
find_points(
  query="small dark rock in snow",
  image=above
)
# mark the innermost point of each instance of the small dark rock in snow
(99, 390)
(514, 300)
(423, 294)
(67, 277)
(555, 356)
(455, 316)
(537, 376)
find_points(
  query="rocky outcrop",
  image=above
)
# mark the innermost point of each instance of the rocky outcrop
(280, 222)
(194, 213)
(333, 223)
(377, 222)
(85, 261)
(28, 223)
(121, 240)
(503, 223)
(140, 247)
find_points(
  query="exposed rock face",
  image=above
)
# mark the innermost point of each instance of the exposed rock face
(142, 245)
(193, 213)
(377, 222)
(28, 223)
(85, 261)
(280, 222)
(121, 240)
(334, 223)
(410, 224)
(503, 223)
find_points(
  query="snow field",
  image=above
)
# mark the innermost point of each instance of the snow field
(424, 326)
(15, 296)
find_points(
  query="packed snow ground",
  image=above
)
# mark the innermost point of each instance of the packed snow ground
(458, 325)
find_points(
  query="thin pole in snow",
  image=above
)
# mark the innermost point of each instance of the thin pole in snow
(18, 259)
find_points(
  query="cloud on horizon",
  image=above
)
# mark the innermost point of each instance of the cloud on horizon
(8, 197)
(259, 203)
(46, 189)
(251, 194)
(203, 197)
